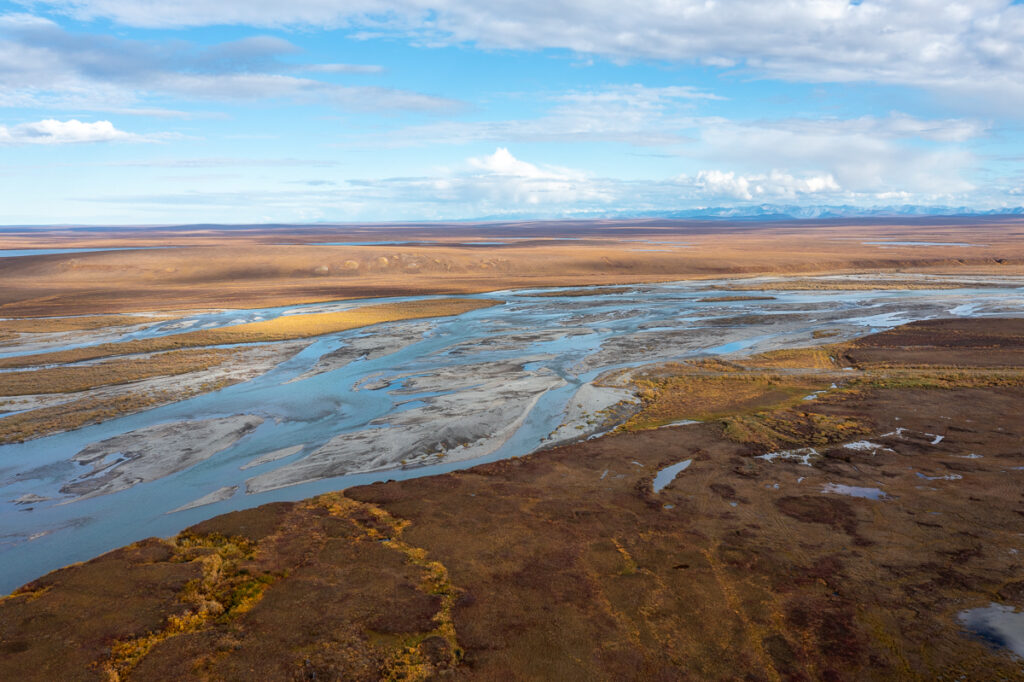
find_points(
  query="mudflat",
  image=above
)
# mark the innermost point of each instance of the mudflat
(852, 513)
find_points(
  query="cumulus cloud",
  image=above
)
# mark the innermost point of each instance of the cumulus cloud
(774, 186)
(52, 131)
(501, 162)
(500, 181)
(968, 47)
(501, 184)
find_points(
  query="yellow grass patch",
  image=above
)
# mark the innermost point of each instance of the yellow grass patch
(37, 325)
(76, 413)
(284, 328)
(794, 358)
(119, 371)
(673, 398)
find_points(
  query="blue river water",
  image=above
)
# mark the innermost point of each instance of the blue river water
(566, 340)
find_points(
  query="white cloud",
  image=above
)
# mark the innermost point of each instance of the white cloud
(501, 184)
(52, 131)
(865, 155)
(774, 186)
(500, 181)
(633, 113)
(44, 66)
(967, 47)
(501, 162)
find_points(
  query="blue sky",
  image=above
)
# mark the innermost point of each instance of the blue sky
(147, 111)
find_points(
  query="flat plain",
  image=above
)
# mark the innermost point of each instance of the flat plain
(261, 266)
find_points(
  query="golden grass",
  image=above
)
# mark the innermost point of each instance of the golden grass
(943, 378)
(225, 589)
(702, 398)
(38, 325)
(795, 358)
(112, 372)
(788, 427)
(406, 661)
(301, 326)
(284, 328)
(759, 399)
(77, 413)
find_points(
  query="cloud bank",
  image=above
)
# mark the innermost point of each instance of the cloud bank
(965, 46)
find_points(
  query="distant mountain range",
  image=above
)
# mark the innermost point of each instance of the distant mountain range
(775, 211)
(772, 212)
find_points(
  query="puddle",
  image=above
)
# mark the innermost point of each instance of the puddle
(854, 491)
(668, 474)
(947, 477)
(999, 626)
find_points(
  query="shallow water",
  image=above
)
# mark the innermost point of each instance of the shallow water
(531, 352)
(854, 491)
(997, 625)
(668, 474)
(15, 253)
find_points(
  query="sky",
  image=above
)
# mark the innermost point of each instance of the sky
(243, 111)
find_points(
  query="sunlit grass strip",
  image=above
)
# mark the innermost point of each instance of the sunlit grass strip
(39, 325)
(112, 372)
(77, 413)
(703, 398)
(406, 660)
(285, 328)
(224, 590)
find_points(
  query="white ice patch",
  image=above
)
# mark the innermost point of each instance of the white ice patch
(865, 446)
(803, 455)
